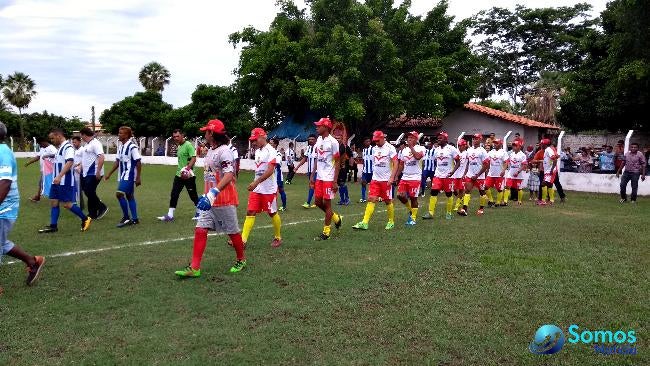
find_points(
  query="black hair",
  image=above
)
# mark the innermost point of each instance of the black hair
(220, 138)
(178, 130)
(58, 131)
(42, 139)
(87, 132)
(78, 138)
(635, 143)
(276, 141)
(311, 136)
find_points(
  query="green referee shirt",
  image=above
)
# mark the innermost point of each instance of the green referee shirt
(185, 153)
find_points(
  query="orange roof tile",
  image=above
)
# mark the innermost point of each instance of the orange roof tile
(508, 116)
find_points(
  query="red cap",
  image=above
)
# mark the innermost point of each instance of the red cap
(324, 122)
(517, 142)
(545, 142)
(497, 141)
(444, 134)
(414, 134)
(478, 136)
(256, 133)
(378, 135)
(462, 142)
(215, 126)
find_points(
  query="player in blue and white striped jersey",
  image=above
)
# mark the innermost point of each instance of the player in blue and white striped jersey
(428, 166)
(129, 162)
(309, 158)
(63, 184)
(366, 173)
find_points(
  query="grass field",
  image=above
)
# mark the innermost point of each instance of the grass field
(467, 291)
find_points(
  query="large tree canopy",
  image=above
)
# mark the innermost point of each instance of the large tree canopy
(362, 63)
(611, 88)
(144, 112)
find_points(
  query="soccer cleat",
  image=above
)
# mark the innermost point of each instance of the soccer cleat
(389, 225)
(491, 204)
(124, 222)
(622, 200)
(85, 224)
(276, 242)
(504, 204)
(339, 203)
(480, 212)
(339, 224)
(48, 229)
(188, 272)
(305, 205)
(361, 200)
(322, 237)
(410, 222)
(287, 182)
(312, 206)
(282, 208)
(519, 203)
(239, 265)
(346, 203)
(166, 218)
(427, 216)
(449, 216)
(34, 270)
(462, 212)
(540, 203)
(360, 226)
(102, 213)
(135, 221)
(563, 200)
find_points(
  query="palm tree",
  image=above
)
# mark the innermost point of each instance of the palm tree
(18, 89)
(154, 77)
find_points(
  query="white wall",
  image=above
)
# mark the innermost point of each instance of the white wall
(581, 182)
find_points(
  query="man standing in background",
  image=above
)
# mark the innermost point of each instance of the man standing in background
(92, 171)
(290, 156)
(45, 158)
(634, 165)
(184, 177)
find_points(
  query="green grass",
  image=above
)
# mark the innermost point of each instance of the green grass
(468, 291)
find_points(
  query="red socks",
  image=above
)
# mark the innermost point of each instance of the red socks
(200, 241)
(238, 243)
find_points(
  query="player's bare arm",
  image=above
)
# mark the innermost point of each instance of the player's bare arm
(337, 168)
(457, 165)
(32, 160)
(138, 169)
(191, 162)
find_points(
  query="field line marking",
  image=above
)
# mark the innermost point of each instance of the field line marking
(163, 241)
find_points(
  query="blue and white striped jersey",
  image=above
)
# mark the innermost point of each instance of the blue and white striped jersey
(366, 153)
(128, 156)
(64, 154)
(428, 161)
(311, 155)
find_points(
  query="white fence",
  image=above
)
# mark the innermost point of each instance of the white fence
(581, 182)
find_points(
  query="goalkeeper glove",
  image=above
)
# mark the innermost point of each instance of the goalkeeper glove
(206, 201)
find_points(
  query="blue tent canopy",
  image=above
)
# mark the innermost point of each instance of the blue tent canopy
(290, 127)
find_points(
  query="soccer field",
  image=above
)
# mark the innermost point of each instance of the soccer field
(470, 290)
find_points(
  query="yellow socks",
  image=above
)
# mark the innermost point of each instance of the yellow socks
(544, 192)
(489, 195)
(467, 198)
(391, 212)
(499, 197)
(520, 195)
(551, 194)
(506, 195)
(414, 213)
(450, 204)
(336, 218)
(327, 229)
(408, 205)
(483, 200)
(459, 200)
(248, 226)
(370, 209)
(277, 224)
(432, 205)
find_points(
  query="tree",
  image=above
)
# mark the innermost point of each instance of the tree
(154, 76)
(501, 105)
(209, 102)
(611, 88)
(518, 46)
(359, 63)
(19, 91)
(144, 112)
(3, 102)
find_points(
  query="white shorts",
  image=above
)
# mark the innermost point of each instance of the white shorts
(220, 219)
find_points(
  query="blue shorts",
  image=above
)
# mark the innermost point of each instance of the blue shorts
(5, 244)
(126, 186)
(366, 177)
(427, 173)
(63, 193)
(279, 180)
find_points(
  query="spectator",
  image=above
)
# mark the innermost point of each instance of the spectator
(619, 155)
(488, 141)
(160, 151)
(354, 168)
(634, 168)
(647, 159)
(584, 160)
(606, 159)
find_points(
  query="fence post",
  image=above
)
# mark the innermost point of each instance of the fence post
(167, 145)
(505, 141)
(35, 144)
(140, 144)
(153, 140)
(349, 140)
(559, 150)
(11, 138)
(460, 137)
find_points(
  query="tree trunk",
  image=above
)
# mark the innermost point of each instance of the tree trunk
(21, 125)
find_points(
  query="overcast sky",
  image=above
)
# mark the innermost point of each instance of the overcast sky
(89, 52)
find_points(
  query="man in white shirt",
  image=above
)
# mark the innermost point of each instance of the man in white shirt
(384, 170)
(92, 171)
(516, 164)
(325, 174)
(447, 158)
(290, 156)
(411, 170)
(45, 159)
(459, 177)
(478, 163)
(496, 173)
(264, 188)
